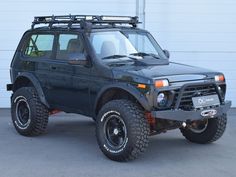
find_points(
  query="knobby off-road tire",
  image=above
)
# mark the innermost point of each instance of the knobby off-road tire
(29, 115)
(122, 131)
(213, 131)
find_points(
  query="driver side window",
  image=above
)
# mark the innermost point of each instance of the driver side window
(70, 46)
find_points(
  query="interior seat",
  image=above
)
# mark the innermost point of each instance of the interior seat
(107, 49)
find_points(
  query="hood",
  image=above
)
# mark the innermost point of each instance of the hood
(174, 72)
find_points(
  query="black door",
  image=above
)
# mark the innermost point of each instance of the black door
(69, 86)
(65, 84)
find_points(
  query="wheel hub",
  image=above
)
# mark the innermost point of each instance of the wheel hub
(199, 126)
(115, 131)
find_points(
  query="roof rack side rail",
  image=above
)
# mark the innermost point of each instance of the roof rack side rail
(82, 19)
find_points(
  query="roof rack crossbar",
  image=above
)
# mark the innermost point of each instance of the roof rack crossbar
(81, 19)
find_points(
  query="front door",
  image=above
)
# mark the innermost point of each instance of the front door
(70, 88)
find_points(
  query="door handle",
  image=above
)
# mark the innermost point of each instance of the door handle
(53, 67)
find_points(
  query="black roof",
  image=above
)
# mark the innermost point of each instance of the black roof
(77, 28)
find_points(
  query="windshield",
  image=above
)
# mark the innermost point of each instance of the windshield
(117, 44)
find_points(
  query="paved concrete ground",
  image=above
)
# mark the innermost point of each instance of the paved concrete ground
(70, 149)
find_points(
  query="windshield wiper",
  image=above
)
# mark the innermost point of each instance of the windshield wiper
(114, 56)
(142, 54)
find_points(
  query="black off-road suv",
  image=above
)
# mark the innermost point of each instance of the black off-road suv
(106, 68)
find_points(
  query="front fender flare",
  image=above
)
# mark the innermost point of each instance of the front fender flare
(128, 88)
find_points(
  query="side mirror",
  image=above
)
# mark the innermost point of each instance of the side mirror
(167, 53)
(77, 59)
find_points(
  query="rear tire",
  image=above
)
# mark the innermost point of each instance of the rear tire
(122, 130)
(212, 132)
(29, 115)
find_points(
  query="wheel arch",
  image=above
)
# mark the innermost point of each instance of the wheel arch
(120, 91)
(27, 79)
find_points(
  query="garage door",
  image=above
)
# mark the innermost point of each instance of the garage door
(16, 17)
(197, 32)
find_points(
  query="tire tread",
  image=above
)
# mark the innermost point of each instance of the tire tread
(139, 127)
(213, 133)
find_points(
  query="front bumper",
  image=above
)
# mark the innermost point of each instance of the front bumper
(181, 115)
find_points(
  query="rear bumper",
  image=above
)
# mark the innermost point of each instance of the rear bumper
(181, 115)
(9, 87)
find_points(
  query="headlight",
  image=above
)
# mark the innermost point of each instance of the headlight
(162, 99)
(161, 83)
(219, 78)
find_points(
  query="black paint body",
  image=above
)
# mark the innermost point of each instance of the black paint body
(78, 88)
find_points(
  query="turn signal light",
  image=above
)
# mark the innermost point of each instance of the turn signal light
(161, 83)
(142, 86)
(219, 78)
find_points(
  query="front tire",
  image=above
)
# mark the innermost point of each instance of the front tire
(212, 131)
(29, 115)
(122, 130)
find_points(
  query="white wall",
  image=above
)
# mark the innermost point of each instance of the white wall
(197, 32)
(17, 15)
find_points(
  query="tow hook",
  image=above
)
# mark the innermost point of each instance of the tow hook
(184, 124)
(54, 111)
(209, 113)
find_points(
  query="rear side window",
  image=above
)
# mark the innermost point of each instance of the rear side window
(40, 45)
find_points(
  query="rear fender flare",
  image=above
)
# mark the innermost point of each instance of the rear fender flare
(36, 85)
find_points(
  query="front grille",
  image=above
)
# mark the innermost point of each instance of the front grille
(192, 91)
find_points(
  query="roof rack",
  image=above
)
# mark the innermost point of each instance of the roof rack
(84, 20)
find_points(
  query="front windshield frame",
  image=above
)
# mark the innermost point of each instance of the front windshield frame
(156, 46)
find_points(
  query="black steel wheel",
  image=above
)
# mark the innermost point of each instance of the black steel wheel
(23, 112)
(115, 131)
